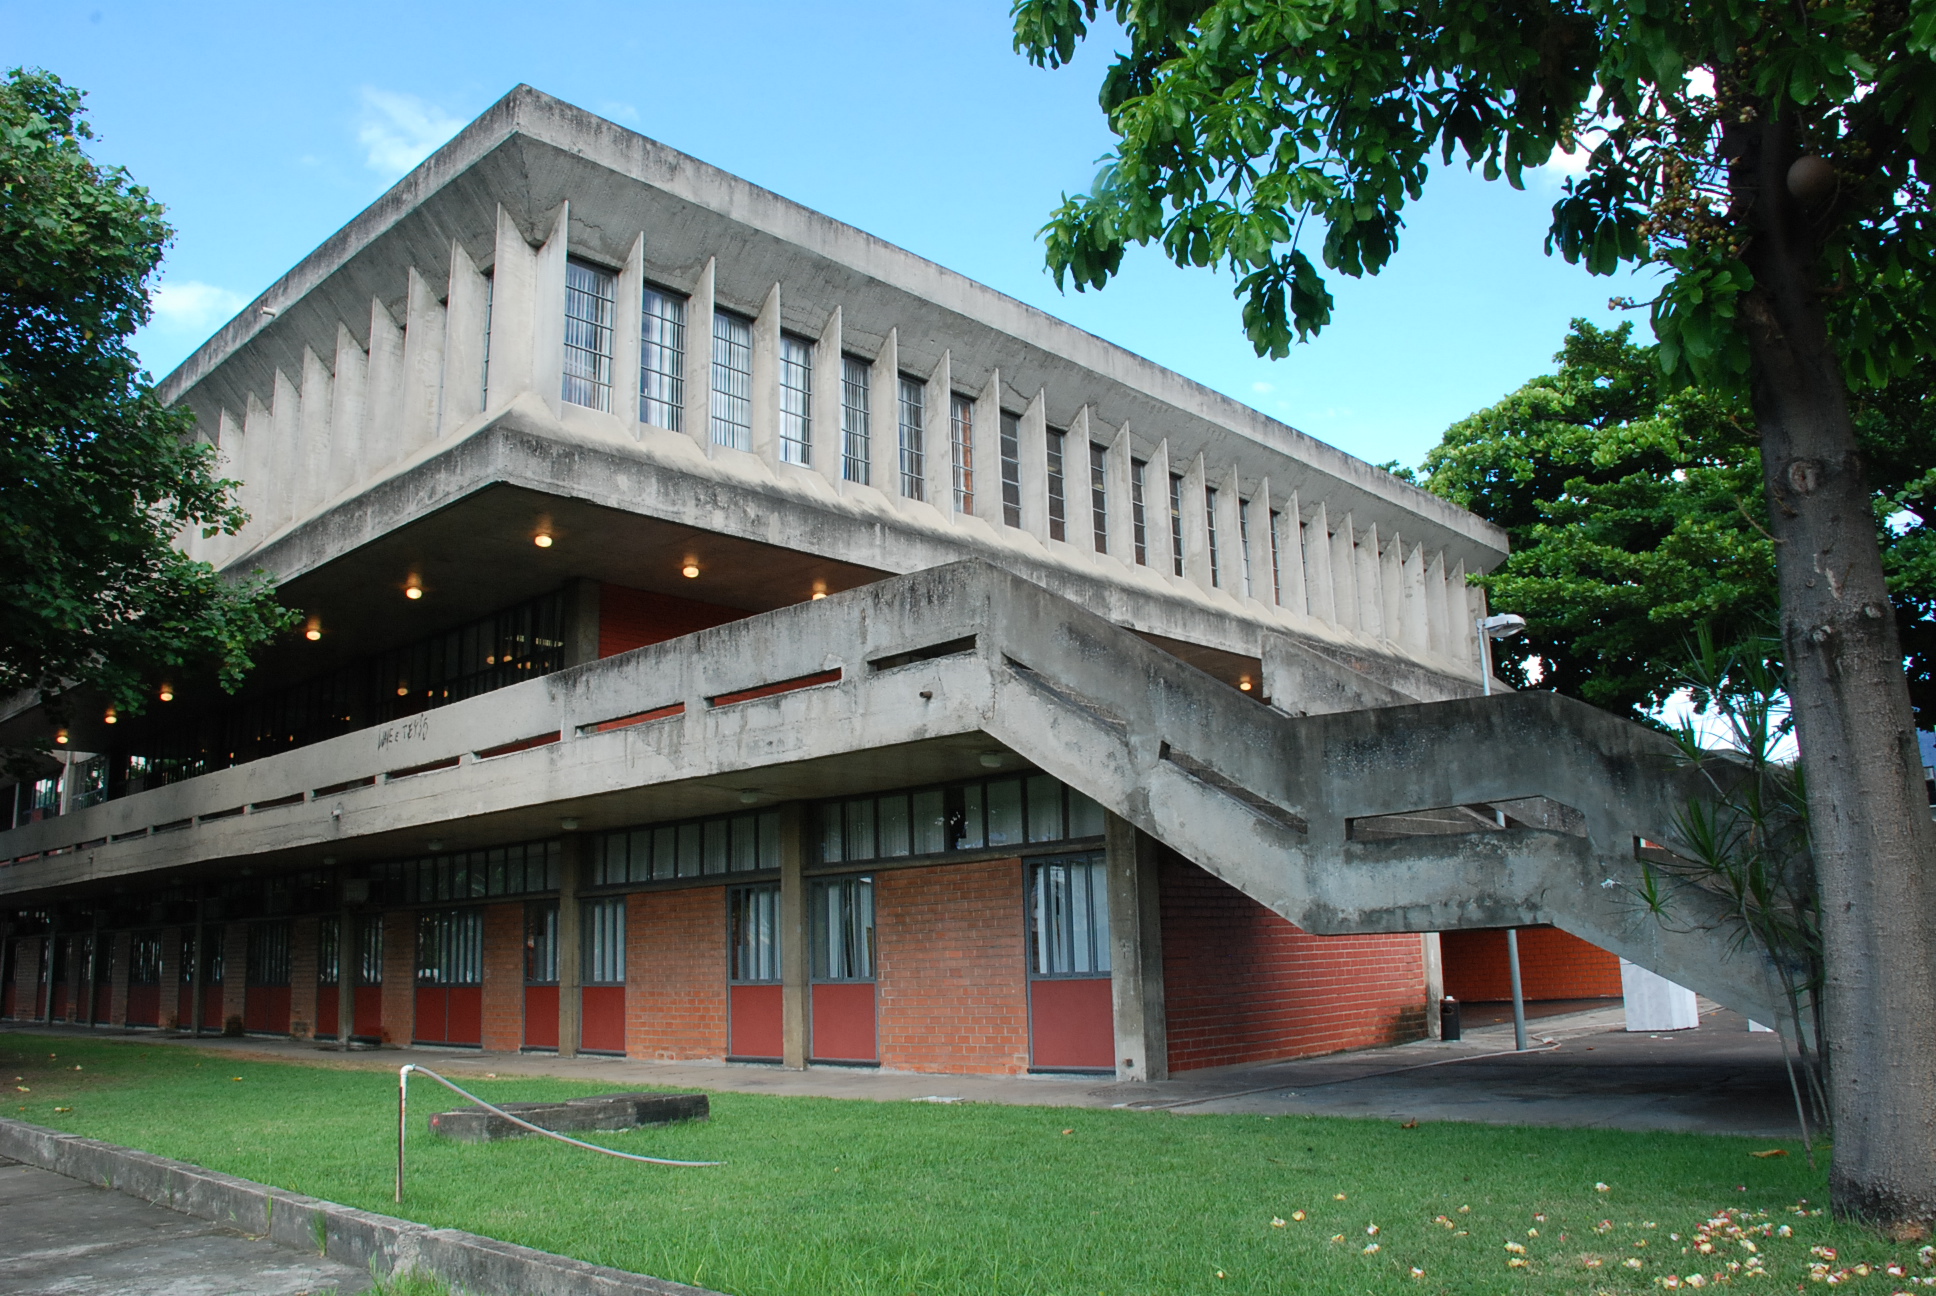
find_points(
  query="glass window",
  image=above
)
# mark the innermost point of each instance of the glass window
(1277, 578)
(662, 361)
(1243, 543)
(144, 963)
(753, 933)
(732, 381)
(484, 382)
(1099, 494)
(1068, 917)
(1058, 502)
(665, 853)
(746, 844)
(1176, 522)
(914, 459)
(604, 937)
(588, 335)
(796, 399)
(450, 947)
(930, 822)
(1011, 469)
(716, 841)
(1005, 812)
(369, 949)
(893, 825)
(1210, 530)
(541, 943)
(843, 928)
(972, 833)
(1085, 816)
(860, 829)
(856, 435)
(268, 954)
(1044, 809)
(689, 845)
(961, 451)
(1138, 511)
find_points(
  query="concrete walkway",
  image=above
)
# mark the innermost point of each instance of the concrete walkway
(61, 1237)
(1587, 1072)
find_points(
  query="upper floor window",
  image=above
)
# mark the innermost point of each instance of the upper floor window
(662, 360)
(1243, 543)
(732, 381)
(856, 435)
(914, 460)
(1176, 522)
(843, 928)
(796, 399)
(1277, 576)
(961, 451)
(1210, 530)
(588, 335)
(1058, 496)
(484, 382)
(1099, 495)
(1012, 469)
(1138, 511)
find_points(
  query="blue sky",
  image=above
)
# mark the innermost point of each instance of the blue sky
(264, 128)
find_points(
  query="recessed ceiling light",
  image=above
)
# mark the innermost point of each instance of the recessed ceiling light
(690, 571)
(111, 717)
(541, 540)
(167, 693)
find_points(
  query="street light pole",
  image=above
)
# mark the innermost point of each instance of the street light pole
(1504, 625)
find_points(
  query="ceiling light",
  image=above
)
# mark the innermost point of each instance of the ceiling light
(541, 540)
(110, 717)
(818, 595)
(747, 796)
(1244, 683)
(690, 571)
(991, 760)
(413, 591)
(314, 630)
(167, 693)
(568, 823)
(435, 844)
(403, 690)
(61, 737)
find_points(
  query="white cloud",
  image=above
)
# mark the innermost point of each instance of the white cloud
(1262, 388)
(618, 110)
(397, 131)
(194, 306)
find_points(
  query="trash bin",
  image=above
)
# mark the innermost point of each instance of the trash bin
(1449, 1026)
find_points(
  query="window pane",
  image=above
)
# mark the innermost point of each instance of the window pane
(688, 850)
(732, 381)
(1069, 918)
(1058, 503)
(1085, 816)
(893, 826)
(754, 934)
(716, 842)
(1044, 809)
(604, 942)
(639, 853)
(961, 452)
(930, 823)
(1011, 469)
(843, 929)
(1176, 522)
(1099, 495)
(1005, 813)
(662, 361)
(746, 843)
(914, 459)
(856, 436)
(541, 943)
(832, 839)
(972, 836)
(860, 829)
(1210, 528)
(588, 336)
(796, 399)
(770, 839)
(1139, 511)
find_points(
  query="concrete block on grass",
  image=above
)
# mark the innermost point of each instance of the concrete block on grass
(599, 1112)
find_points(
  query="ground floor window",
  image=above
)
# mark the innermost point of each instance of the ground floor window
(841, 923)
(755, 1024)
(602, 1013)
(450, 977)
(1071, 1013)
(144, 979)
(541, 974)
(209, 957)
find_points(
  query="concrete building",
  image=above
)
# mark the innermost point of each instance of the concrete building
(730, 636)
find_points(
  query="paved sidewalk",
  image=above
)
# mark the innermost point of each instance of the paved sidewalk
(61, 1237)
(1587, 1072)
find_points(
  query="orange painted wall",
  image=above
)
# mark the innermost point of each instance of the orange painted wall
(629, 618)
(1552, 965)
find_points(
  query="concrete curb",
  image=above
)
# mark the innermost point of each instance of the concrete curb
(381, 1244)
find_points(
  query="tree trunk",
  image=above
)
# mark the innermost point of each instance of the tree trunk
(1869, 813)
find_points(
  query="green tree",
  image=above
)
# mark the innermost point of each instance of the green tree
(1635, 514)
(97, 476)
(1769, 160)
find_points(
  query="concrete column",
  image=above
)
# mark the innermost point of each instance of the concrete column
(765, 396)
(699, 359)
(1196, 527)
(1122, 520)
(571, 979)
(256, 485)
(383, 393)
(987, 445)
(1135, 952)
(349, 961)
(312, 486)
(1156, 500)
(1391, 586)
(1434, 981)
(1320, 591)
(423, 362)
(1411, 611)
(464, 313)
(303, 996)
(1076, 504)
(628, 336)
(514, 286)
(1467, 604)
(1288, 535)
(827, 437)
(96, 956)
(581, 621)
(794, 979)
(886, 412)
(1371, 596)
(121, 947)
(1032, 443)
(1344, 573)
(1438, 619)
(548, 313)
(940, 395)
(1230, 534)
(349, 394)
(283, 479)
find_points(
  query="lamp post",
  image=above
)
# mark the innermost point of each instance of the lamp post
(1504, 625)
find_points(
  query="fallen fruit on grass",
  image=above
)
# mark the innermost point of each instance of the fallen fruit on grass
(1337, 1196)
(1517, 1262)
(1771, 1152)
(1276, 1222)
(1068, 1131)
(1634, 1262)
(63, 1109)
(1600, 1187)
(1371, 1249)
(1517, 1248)
(1417, 1272)
(1297, 1215)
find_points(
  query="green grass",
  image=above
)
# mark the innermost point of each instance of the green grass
(825, 1196)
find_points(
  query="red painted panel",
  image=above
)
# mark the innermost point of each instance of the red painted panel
(433, 1004)
(326, 1005)
(541, 1016)
(465, 1023)
(103, 1001)
(843, 1022)
(6, 1000)
(60, 1001)
(144, 1005)
(629, 618)
(601, 1024)
(184, 1005)
(369, 1012)
(212, 1018)
(266, 1009)
(758, 1031)
(1072, 1023)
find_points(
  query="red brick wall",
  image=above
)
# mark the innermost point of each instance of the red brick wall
(26, 977)
(1552, 965)
(629, 618)
(504, 978)
(302, 977)
(399, 978)
(1241, 984)
(675, 969)
(953, 992)
(235, 974)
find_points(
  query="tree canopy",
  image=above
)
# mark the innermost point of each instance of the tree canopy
(1635, 514)
(97, 476)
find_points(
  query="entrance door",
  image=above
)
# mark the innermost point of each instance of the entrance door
(541, 974)
(450, 977)
(755, 1021)
(601, 1022)
(1071, 1013)
(265, 1004)
(841, 918)
(144, 979)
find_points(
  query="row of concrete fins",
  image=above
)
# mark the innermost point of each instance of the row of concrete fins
(347, 421)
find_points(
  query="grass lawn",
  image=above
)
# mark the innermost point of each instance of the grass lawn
(827, 1196)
